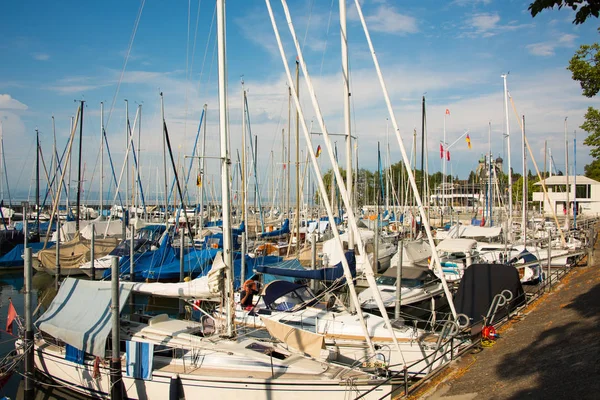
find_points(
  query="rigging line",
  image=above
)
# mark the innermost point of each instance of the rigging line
(210, 30)
(326, 38)
(311, 3)
(20, 173)
(187, 64)
(195, 38)
(131, 39)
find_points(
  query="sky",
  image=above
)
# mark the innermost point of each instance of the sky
(453, 53)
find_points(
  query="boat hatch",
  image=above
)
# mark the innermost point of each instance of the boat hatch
(268, 350)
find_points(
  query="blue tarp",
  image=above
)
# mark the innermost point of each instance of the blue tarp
(31, 226)
(295, 270)
(195, 262)
(14, 258)
(150, 259)
(285, 229)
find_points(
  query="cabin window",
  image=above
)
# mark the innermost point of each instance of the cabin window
(386, 280)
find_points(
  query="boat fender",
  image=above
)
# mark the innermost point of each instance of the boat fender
(175, 389)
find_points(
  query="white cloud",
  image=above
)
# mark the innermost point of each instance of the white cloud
(8, 103)
(40, 56)
(463, 3)
(546, 49)
(487, 25)
(387, 20)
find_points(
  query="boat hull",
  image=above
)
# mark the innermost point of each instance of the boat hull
(80, 378)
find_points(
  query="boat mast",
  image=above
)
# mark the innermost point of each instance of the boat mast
(37, 181)
(101, 158)
(510, 205)
(162, 117)
(525, 195)
(423, 150)
(79, 166)
(297, 164)
(347, 125)
(567, 175)
(225, 195)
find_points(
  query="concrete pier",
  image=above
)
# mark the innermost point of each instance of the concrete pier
(552, 353)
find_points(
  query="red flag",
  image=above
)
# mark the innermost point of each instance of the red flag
(448, 155)
(441, 151)
(12, 314)
(447, 112)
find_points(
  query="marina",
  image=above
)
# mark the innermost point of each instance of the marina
(266, 239)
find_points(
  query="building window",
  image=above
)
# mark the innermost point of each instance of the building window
(583, 191)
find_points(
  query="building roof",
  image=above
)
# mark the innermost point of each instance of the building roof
(562, 180)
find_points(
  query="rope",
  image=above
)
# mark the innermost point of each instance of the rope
(131, 39)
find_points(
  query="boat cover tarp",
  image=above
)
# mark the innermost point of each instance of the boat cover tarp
(110, 228)
(194, 263)
(8, 239)
(146, 261)
(299, 339)
(284, 230)
(204, 287)
(480, 283)
(80, 314)
(470, 231)
(14, 258)
(295, 270)
(76, 252)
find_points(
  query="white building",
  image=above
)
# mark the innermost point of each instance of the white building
(587, 192)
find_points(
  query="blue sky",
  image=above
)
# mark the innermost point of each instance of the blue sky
(55, 53)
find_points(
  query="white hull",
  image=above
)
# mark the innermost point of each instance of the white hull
(214, 384)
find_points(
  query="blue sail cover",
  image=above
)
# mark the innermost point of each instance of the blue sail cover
(14, 258)
(151, 259)
(285, 229)
(197, 263)
(295, 270)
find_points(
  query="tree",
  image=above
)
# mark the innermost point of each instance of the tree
(592, 126)
(586, 8)
(585, 68)
(592, 170)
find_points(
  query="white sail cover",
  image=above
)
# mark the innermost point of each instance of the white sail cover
(80, 314)
(472, 231)
(205, 287)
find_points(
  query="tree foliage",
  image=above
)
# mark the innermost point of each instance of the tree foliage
(592, 126)
(584, 8)
(592, 170)
(585, 67)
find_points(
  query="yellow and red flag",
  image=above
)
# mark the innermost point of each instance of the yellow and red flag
(468, 140)
(318, 153)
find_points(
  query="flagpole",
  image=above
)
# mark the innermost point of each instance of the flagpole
(444, 171)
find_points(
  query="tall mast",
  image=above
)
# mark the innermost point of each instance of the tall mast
(567, 175)
(423, 150)
(243, 169)
(162, 118)
(126, 211)
(202, 183)
(347, 125)
(225, 195)
(444, 155)
(297, 163)
(525, 195)
(79, 166)
(510, 205)
(101, 157)
(37, 180)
